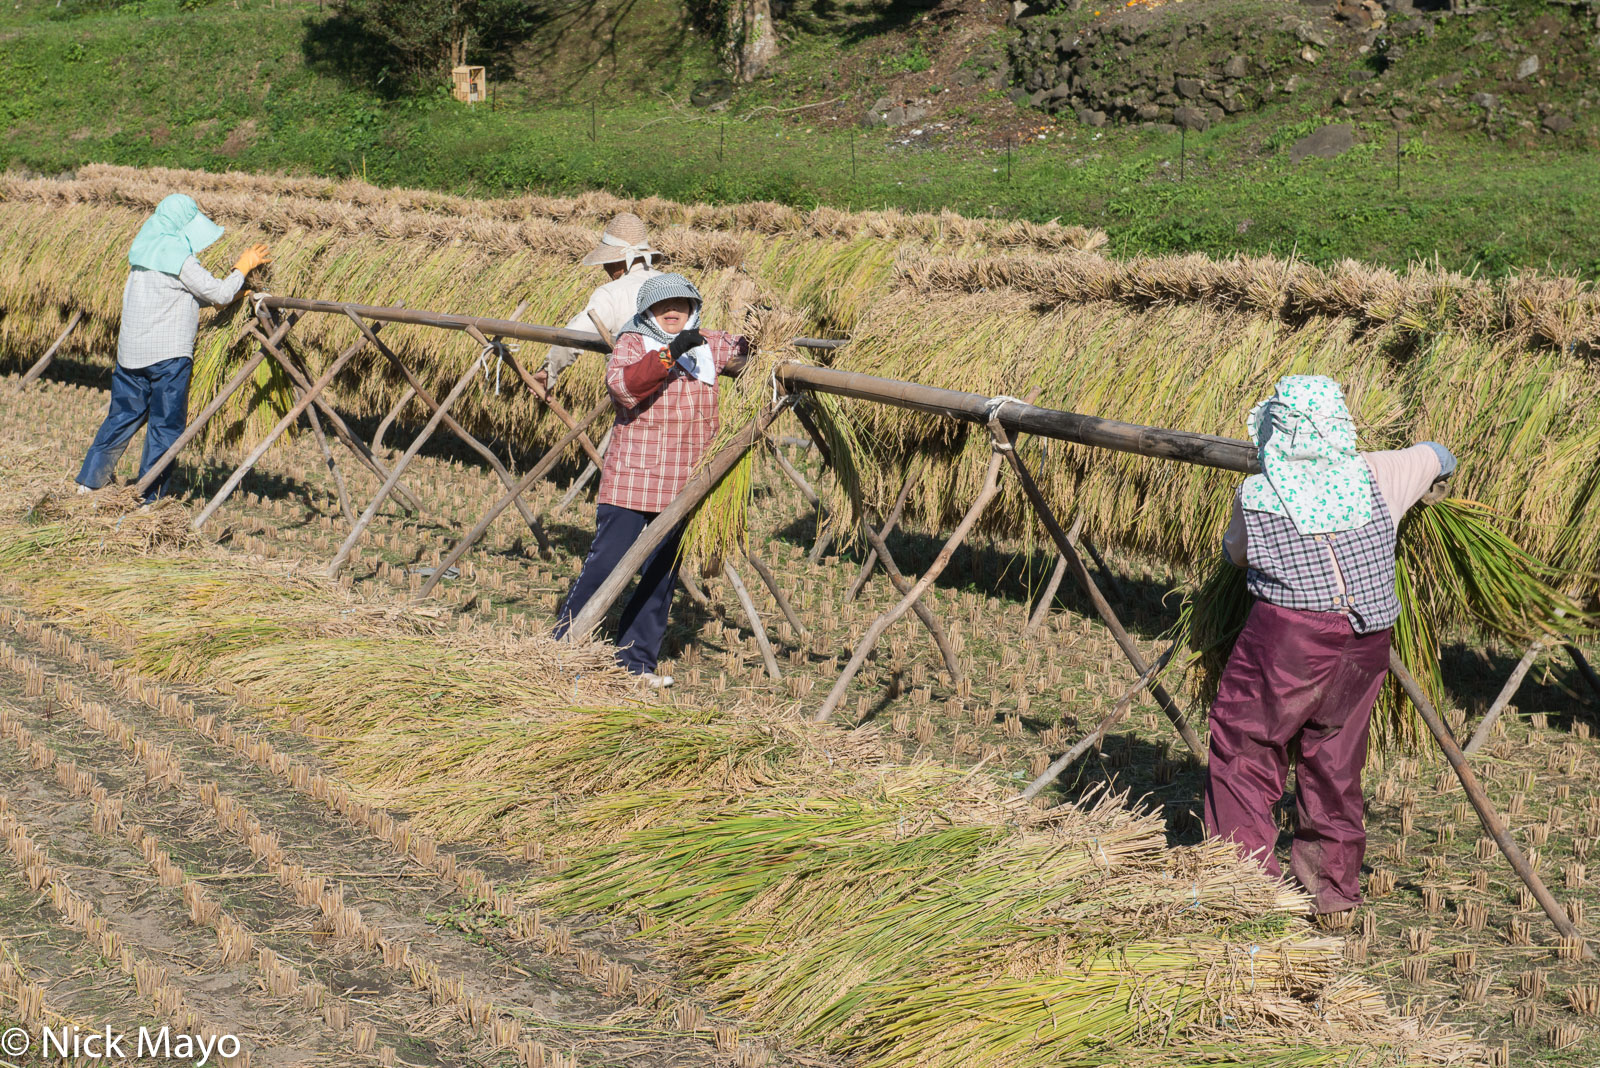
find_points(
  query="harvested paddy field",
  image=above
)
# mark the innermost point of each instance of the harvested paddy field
(353, 829)
(382, 817)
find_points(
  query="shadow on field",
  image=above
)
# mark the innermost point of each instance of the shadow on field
(1146, 607)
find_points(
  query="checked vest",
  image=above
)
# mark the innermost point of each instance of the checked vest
(1294, 570)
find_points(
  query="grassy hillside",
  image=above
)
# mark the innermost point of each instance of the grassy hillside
(601, 98)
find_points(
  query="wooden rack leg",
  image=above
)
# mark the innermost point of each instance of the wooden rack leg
(198, 423)
(536, 472)
(796, 477)
(1041, 611)
(1503, 698)
(388, 420)
(991, 485)
(582, 480)
(333, 467)
(336, 421)
(825, 537)
(701, 483)
(776, 590)
(308, 397)
(548, 398)
(1097, 736)
(1105, 572)
(343, 555)
(692, 588)
(912, 474)
(1582, 664)
(902, 585)
(1079, 571)
(824, 542)
(748, 603)
(50, 353)
(455, 427)
(1480, 803)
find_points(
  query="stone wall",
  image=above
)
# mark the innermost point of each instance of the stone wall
(1180, 74)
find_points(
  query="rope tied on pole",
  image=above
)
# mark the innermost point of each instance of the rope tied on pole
(499, 349)
(991, 412)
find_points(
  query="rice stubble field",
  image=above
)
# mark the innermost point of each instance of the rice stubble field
(1447, 930)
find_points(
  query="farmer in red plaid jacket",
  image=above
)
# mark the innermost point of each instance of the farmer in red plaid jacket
(663, 382)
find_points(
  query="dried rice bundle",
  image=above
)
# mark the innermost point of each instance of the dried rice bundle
(111, 522)
(946, 228)
(899, 915)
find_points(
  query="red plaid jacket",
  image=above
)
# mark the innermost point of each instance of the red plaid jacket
(665, 420)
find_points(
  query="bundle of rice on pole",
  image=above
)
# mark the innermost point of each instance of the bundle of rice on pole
(1497, 369)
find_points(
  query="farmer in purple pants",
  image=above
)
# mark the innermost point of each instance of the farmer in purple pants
(1316, 531)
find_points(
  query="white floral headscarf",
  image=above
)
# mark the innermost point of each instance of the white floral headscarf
(1310, 469)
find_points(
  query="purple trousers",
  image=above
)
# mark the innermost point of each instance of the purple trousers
(1305, 680)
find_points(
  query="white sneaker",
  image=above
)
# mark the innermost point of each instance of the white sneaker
(82, 489)
(656, 682)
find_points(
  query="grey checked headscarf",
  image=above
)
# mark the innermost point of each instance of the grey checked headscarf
(654, 291)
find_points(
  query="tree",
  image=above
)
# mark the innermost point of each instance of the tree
(745, 37)
(424, 38)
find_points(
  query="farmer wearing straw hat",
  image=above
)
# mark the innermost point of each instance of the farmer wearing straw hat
(624, 252)
(662, 376)
(155, 348)
(1316, 533)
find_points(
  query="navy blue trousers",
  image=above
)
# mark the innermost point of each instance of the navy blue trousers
(158, 395)
(644, 619)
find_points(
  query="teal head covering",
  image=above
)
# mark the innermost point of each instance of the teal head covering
(1310, 469)
(173, 233)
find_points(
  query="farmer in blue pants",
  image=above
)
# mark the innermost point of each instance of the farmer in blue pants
(155, 349)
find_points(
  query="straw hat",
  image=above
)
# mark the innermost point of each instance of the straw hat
(625, 239)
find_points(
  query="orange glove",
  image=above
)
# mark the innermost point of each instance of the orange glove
(251, 258)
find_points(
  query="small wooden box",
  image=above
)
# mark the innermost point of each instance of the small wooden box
(470, 84)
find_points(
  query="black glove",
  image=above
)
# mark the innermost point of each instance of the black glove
(686, 340)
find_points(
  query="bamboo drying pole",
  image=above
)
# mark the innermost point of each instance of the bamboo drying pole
(1229, 454)
(677, 510)
(575, 339)
(991, 486)
(1480, 804)
(44, 361)
(536, 472)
